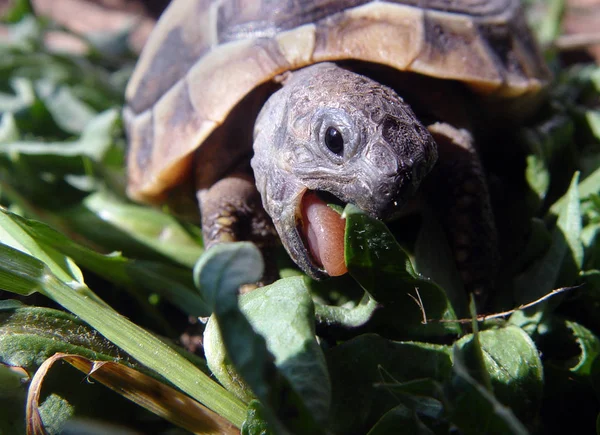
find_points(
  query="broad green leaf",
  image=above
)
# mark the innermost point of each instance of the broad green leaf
(533, 322)
(346, 317)
(565, 253)
(569, 223)
(23, 97)
(12, 380)
(428, 405)
(69, 112)
(441, 267)
(400, 420)
(537, 244)
(268, 340)
(26, 33)
(30, 335)
(593, 119)
(475, 410)
(419, 387)
(570, 376)
(589, 345)
(369, 360)
(13, 389)
(513, 365)
(94, 143)
(255, 423)
(55, 412)
(585, 300)
(78, 166)
(283, 313)
(384, 270)
(8, 128)
(546, 142)
(537, 175)
(590, 185)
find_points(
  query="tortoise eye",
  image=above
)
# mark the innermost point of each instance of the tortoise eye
(334, 141)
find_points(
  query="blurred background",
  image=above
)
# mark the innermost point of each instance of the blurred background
(97, 16)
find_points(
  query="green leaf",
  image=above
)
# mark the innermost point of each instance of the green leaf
(27, 33)
(137, 230)
(569, 375)
(384, 270)
(24, 96)
(12, 381)
(589, 345)
(255, 423)
(30, 335)
(346, 317)
(589, 186)
(441, 267)
(18, 10)
(69, 112)
(269, 340)
(55, 412)
(474, 410)
(565, 254)
(537, 244)
(593, 119)
(512, 362)
(8, 128)
(537, 175)
(283, 313)
(545, 16)
(400, 420)
(94, 143)
(369, 360)
(547, 142)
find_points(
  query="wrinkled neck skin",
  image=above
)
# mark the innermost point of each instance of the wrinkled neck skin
(386, 150)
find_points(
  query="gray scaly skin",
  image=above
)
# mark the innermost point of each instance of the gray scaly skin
(386, 154)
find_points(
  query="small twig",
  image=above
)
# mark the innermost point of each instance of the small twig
(420, 304)
(484, 317)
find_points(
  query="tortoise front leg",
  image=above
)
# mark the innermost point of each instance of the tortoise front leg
(458, 191)
(232, 211)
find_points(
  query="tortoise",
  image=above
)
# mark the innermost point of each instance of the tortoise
(275, 108)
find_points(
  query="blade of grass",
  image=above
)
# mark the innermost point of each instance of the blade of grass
(23, 273)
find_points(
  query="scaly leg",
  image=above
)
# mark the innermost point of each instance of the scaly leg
(232, 211)
(459, 193)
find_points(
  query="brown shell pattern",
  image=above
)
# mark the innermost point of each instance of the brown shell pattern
(204, 56)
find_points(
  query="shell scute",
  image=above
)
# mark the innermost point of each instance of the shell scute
(205, 56)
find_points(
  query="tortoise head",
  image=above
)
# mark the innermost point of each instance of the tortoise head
(334, 132)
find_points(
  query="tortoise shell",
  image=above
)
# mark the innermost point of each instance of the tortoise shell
(205, 56)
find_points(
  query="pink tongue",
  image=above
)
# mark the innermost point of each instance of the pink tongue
(324, 232)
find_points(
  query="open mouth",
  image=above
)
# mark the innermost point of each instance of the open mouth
(322, 231)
